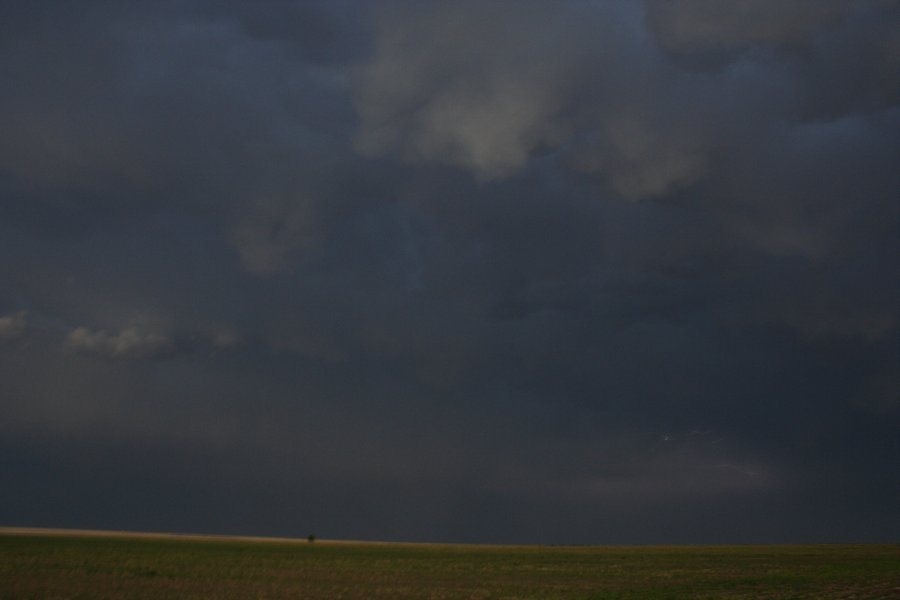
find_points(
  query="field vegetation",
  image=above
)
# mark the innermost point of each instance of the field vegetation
(42, 565)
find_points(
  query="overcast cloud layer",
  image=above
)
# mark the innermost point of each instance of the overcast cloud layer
(538, 271)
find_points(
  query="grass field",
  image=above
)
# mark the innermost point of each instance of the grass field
(35, 564)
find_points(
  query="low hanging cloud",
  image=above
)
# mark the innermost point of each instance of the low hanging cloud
(467, 84)
(558, 78)
(487, 91)
(127, 343)
(13, 325)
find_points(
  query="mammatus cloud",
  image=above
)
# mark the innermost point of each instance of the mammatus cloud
(127, 343)
(13, 325)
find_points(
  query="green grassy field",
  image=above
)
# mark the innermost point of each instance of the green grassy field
(43, 565)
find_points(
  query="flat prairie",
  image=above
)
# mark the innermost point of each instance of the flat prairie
(58, 564)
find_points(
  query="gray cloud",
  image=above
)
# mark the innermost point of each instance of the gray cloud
(482, 272)
(13, 325)
(570, 80)
(688, 25)
(446, 86)
(486, 93)
(641, 160)
(222, 338)
(267, 237)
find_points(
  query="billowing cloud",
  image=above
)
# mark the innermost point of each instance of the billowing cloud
(558, 79)
(468, 84)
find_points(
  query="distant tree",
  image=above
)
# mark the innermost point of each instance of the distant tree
(311, 538)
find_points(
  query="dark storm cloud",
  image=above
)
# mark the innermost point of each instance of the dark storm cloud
(532, 271)
(114, 110)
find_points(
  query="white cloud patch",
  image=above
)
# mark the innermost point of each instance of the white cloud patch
(13, 325)
(128, 343)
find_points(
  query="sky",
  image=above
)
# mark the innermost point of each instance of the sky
(549, 272)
